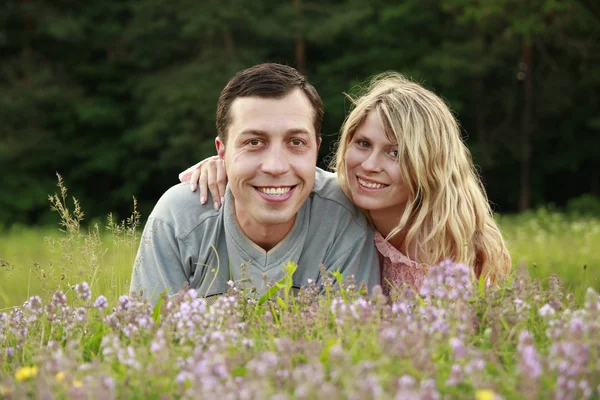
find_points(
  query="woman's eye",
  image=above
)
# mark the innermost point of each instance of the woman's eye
(363, 143)
(393, 153)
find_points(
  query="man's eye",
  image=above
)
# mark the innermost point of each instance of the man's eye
(297, 142)
(254, 142)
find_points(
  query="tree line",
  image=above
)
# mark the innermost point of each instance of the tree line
(120, 95)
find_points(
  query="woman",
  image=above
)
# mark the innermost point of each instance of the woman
(401, 159)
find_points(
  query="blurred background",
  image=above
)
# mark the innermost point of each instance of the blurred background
(119, 96)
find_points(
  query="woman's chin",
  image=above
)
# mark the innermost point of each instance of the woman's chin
(365, 204)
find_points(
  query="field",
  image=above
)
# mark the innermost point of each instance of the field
(545, 241)
(533, 337)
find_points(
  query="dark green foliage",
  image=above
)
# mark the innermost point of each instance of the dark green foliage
(119, 96)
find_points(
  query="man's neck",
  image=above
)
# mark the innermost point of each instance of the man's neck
(265, 236)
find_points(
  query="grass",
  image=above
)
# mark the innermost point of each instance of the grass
(548, 242)
(545, 241)
(39, 261)
(32, 267)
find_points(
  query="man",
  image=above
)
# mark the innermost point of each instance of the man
(278, 207)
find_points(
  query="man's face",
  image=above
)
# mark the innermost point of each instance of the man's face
(270, 158)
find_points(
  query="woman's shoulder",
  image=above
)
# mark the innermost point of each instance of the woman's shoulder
(387, 250)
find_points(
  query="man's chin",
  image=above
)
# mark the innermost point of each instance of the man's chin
(276, 220)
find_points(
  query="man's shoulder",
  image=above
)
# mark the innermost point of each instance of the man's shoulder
(181, 209)
(328, 198)
(327, 188)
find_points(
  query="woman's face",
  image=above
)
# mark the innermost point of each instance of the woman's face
(373, 170)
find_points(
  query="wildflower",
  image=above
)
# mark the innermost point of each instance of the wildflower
(108, 382)
(546, 310)
(124, 303)
(530, 365)
(51, 310)
(159, 343)
(521, 306)
(60, 376)
(77, 383)
(25, 373)
(448, 281)
(80, 314)
(83, 291)
(59, 298)
(101, 303)
(485, 394)
(10, 352)
(428, 390)
(35, 304)
(458, 348)
(456, 376)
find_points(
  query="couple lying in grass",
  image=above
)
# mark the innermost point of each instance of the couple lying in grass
(405, 195)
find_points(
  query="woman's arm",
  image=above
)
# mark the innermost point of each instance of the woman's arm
(208, 174)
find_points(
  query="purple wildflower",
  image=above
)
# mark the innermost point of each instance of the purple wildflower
(448, 281)
(546, 310)
(458, 348)
(124, 303)
(59, 298)
(80, 314)
(101, 303)
(457, 375)
(83, 291)
(35, 304)
(530, 365)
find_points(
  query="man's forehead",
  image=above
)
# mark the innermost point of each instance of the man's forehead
(295, 103)
(292, 112)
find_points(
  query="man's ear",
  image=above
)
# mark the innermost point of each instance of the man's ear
(220, 147)
(319, 140)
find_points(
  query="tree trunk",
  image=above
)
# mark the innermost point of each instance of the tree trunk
(300, 49)
(228, 40)
(27, 52)
(525, 144)
(483, 137)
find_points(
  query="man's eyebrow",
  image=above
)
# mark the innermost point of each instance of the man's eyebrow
(298, 131)
(252, 132)
(257, 132)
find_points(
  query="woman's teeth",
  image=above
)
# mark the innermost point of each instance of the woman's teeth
(371, 185)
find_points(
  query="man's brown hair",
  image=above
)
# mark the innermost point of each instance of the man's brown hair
(268, 81)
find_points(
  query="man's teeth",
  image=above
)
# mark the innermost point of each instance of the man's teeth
(371, 185)
(275, 191)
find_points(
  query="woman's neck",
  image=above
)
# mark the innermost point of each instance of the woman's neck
(385, 221)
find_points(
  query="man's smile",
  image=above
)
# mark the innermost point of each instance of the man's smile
(275, 193)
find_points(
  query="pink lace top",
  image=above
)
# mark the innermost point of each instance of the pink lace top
(396, 268)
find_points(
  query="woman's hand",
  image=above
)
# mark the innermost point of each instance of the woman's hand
(207, 175)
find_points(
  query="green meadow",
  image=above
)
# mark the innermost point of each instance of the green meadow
(37, 261)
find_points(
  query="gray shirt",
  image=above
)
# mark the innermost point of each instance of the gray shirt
(185, 241)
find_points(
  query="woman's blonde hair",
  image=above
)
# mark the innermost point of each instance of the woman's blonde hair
(448, 213)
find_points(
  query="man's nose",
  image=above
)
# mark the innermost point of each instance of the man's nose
(275, 162)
